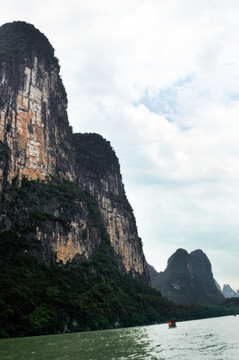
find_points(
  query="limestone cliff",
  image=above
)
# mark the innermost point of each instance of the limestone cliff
(36, 142)
(33, 118)
(188, 279)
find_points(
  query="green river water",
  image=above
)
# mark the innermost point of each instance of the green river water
(200, 339)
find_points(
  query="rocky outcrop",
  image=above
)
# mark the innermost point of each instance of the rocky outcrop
(36, 142)
(188, 279)
(98, 172)
(228, 292)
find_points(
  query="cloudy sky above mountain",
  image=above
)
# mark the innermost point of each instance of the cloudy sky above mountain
(160, 80)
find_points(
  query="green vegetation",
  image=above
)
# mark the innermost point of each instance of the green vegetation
(82, 295)
(39, 299)
(35, 202)
(95, 154)
(97, 160)
(19, 40)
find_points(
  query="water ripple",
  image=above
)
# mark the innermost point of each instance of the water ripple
(202, 339)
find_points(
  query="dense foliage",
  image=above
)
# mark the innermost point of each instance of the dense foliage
(95, 154)
(19, 39)
(81, 295)
(36, 298)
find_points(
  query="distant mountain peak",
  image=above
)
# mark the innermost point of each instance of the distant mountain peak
(188, 279)
(228, 292)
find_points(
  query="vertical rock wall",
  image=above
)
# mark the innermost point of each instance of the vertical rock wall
(29, 123)
(36, 142)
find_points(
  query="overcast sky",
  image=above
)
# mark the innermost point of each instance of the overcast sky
(159, 79)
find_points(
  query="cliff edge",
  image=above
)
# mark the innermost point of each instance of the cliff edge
(36, 143)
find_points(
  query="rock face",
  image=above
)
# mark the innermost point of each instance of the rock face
(33, 117)
(188, 279)
(36, 142)
(228, 292)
